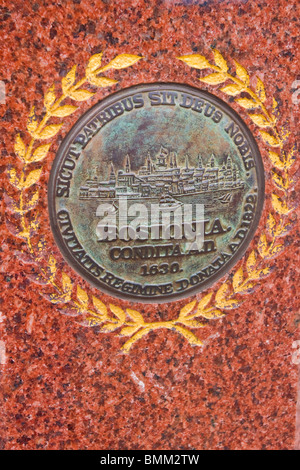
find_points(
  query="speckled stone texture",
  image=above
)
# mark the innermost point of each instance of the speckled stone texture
(66, 386)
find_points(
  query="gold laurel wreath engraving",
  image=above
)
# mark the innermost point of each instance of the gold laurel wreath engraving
(72, 299)
(268, 246)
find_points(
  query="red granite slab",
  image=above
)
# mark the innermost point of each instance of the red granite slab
(68, 386)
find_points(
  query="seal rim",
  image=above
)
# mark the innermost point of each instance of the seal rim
(87, 117)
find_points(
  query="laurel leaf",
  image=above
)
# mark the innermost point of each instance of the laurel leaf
(263, 245)
(221, 300)
(13, 178)
(246, 103)
(237, 278)
(220, 61)
(81, 95)
(281, 229)
(275, 159)
(91, 321)
(129, 330)
(277, 249)
(93, 63)
(290, 159)
(32, 122)
(279, 205)
(213, 78)
(187, 309)
(263, 272)
(40, 153)
(212, 314)
(49, 131)
(51, 265)
(251, 261)
(82, 296)
(220, 295)
(122, 61)
(49, 98)
(195, 60)
(68, 80)
(275, 107)
(32, 178)
(259, 120)
(188, 335)
(271, 222)
(66, 282)
(247, 287)
(232, 89)
(269, 139)
(101, 81)
(118, 312)
(20, 148)
(242, 73)
(135, 315)
(279, 181)
(64, 111)
(108, 327)
(204, 302)
(99, 306)
(260, 90)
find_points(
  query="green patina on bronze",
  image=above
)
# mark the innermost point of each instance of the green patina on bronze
(165, 144)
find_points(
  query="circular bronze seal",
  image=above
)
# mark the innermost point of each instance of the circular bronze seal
(156, 192)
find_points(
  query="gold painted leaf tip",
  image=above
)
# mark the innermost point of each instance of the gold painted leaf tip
(49, 97)
(187, 309)
(196, 61)
(81, 95)
(123, 60)
(260, 120)
(213, 79)
(69, 79)
(82, 296)
(101, 81)
(32, 178)
(49, 131)
(270, 139)
(219, 60)
(118, 312)
(135, 315)
(40, 153)
(242, 73)
(20, 148)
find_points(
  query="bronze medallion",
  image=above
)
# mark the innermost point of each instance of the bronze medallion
(156, 192)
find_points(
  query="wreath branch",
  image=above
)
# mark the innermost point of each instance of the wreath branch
(268, 246)
(41, 131)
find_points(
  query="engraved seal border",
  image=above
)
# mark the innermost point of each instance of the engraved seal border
(88, 117)
(71, 298)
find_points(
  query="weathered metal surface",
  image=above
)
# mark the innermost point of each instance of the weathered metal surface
(162, 146)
